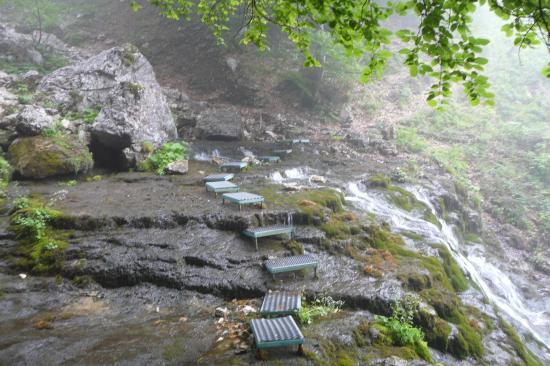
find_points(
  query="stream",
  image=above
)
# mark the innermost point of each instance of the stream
(491, 281)
(494, 284)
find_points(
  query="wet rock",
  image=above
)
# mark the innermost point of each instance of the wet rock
(389, 133)
(31, 78)
(472, 221)
(6, 138)
(122, 83)
(515, 237)
(178, 167)
(33, 120)
(317, 179)
(221, 312)
(309, 234)
(219, 124)
(41, 157)
(6, 79)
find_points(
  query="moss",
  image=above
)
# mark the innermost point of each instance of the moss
(336, 229)
(311, 207)
(135, 89)
(472, 238)
(82, 281)
(455, 274)
(436, 330)
(412, 235)
(528, 358)
(148, 147)
(403, 199)
(296, 248)
(42, 156)
(41, 248)
(361, 334)
(449, 307)
(416, 281)
(5, 176)
(430, 217)
(379, 180)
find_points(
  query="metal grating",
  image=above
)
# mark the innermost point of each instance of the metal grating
(269, 158)
(281, 302)
(221, 185)
(218, 177)
(267, 229)
(294, 261)
(243, 197)
(276, 330)
(283, 152)
(235, 164)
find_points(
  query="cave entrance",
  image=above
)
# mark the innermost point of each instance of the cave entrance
(107, 157)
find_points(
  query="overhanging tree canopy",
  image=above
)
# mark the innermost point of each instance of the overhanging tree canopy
(442, 45)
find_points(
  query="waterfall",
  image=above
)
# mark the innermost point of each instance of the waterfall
(494, 283)
(289, 219)
(289, 175)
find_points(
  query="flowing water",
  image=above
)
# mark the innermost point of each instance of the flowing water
(493, 282)
(298, 175)
(205, 156)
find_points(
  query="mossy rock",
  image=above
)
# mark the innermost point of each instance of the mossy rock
(40, 157)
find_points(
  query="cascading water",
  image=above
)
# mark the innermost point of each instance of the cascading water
(291, 175)
(204, 156)
(494, 284)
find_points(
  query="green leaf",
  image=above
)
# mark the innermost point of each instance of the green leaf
(135, 6)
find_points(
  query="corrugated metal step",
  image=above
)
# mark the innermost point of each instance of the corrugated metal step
(281, 303)
(276, 332)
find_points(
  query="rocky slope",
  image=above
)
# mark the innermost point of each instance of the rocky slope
(139, 263)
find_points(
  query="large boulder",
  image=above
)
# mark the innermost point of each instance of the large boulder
(219, 124)
(122, 83)
(33, 120)
(41, 157)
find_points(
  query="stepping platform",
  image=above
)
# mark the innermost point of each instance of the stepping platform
(283, 152)
(269, 159)
(281, 303)
(221, 187)
(243, 198)
(218, 177)
(263, 231)
(276, 332)
(233, 166)
(291, 264)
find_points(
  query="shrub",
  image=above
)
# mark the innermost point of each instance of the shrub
(400, 327)
(168, 153)
(319, 308)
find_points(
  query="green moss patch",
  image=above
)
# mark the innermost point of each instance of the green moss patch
(528, 358)
(41, 247)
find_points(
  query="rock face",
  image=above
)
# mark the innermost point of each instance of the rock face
(219, 124)
(33, 120)
(41, 157)
(122, 83)
(178, 167)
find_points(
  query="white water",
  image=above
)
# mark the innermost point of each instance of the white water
(204, 156)
(494, 284)
(294, 174)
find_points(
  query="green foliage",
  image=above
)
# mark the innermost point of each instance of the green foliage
(88, 115)
(168, 153)
(40, 247)
(318, 308)
(408, 138)
(443, 48)
(399, 327)
(5, 176)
